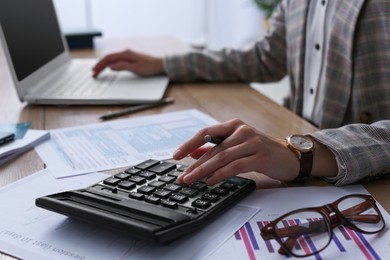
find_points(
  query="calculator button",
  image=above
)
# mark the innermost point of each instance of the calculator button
(163, 167)
(147, 175)
(174, 173)
(136, 195)
(239, 181)
(182, 168)
(157, 184)
(126, 185)
(138, 180)
(169, 204)
(172, 187)
(211, 197)
(133, 171)
(147, 164)
(162, 193)
(189, 192)
(152, 199)
(178, 198)
(122, 175)
(146, 190)
(199, 186)
(167, 179)
(220, 191)
(111, 181)
(203, 204)
(229, 185)
(181, 184)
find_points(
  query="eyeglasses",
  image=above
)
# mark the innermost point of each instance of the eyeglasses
(313, 227)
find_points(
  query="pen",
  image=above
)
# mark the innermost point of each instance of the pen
(213, 139)
(6, 137)
(136, 108)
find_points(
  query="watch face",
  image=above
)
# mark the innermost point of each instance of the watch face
(301, 143)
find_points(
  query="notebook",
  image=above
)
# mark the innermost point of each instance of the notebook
(43, 71)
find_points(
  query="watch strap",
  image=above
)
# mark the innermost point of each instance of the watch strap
(306, 165)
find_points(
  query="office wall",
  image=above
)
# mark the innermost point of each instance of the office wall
(210, 23)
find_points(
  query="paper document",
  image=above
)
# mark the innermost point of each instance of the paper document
(29, 232)
(122, 143)
(346, 244)
(18, 146)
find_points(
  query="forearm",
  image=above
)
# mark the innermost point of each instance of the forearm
(255, 64)
(266, 61)
(324, 161)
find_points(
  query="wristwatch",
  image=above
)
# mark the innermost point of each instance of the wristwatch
(303, 147)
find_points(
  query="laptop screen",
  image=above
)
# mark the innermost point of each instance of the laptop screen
(32, 34)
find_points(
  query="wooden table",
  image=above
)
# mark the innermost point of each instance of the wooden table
(221, 101)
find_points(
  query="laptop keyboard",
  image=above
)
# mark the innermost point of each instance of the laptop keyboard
(146, 201)
(80, 84)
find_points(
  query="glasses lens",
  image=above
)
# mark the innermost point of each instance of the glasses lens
(360, 212)
(303, 233)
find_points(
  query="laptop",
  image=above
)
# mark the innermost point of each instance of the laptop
(44, 73)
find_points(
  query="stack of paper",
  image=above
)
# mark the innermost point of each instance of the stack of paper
(19, 146)
(29, 232)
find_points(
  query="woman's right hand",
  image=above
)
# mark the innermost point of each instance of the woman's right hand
(138, 63)
(244, 149)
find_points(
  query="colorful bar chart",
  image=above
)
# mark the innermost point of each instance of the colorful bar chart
(345, 242)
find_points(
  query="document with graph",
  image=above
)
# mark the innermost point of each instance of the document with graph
(247, 242)
(97, 147)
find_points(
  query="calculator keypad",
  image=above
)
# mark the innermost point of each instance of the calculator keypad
(155, 182)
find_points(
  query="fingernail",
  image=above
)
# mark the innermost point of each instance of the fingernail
(187, 179)
(178, 154)
(208, 182)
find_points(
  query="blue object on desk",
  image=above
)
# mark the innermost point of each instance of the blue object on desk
(19, 129)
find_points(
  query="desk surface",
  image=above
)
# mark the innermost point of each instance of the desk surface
(221, 101)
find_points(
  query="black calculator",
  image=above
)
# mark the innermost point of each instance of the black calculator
(146, 201)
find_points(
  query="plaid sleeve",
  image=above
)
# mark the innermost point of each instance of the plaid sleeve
(264, 62)
(362, 151)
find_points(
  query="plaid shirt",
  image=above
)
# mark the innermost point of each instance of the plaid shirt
(357, 64)
(357, 77)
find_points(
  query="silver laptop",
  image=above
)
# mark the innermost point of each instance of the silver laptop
(43, 72)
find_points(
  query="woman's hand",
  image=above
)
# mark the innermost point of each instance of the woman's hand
(244, 149)
(138, 63)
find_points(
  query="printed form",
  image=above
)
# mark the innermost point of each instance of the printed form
(29, 232)
(121, 143)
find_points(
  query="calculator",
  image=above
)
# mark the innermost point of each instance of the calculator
(146, 201)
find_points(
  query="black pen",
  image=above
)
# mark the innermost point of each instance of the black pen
(213, 139)
(6, 137)
(136, 108)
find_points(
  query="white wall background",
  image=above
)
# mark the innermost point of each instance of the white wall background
(209, 23)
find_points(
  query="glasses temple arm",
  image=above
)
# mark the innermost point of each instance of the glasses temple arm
(298, 230)
(354, 214)
(357, 209)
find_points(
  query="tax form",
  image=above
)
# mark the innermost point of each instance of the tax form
(121, 143)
